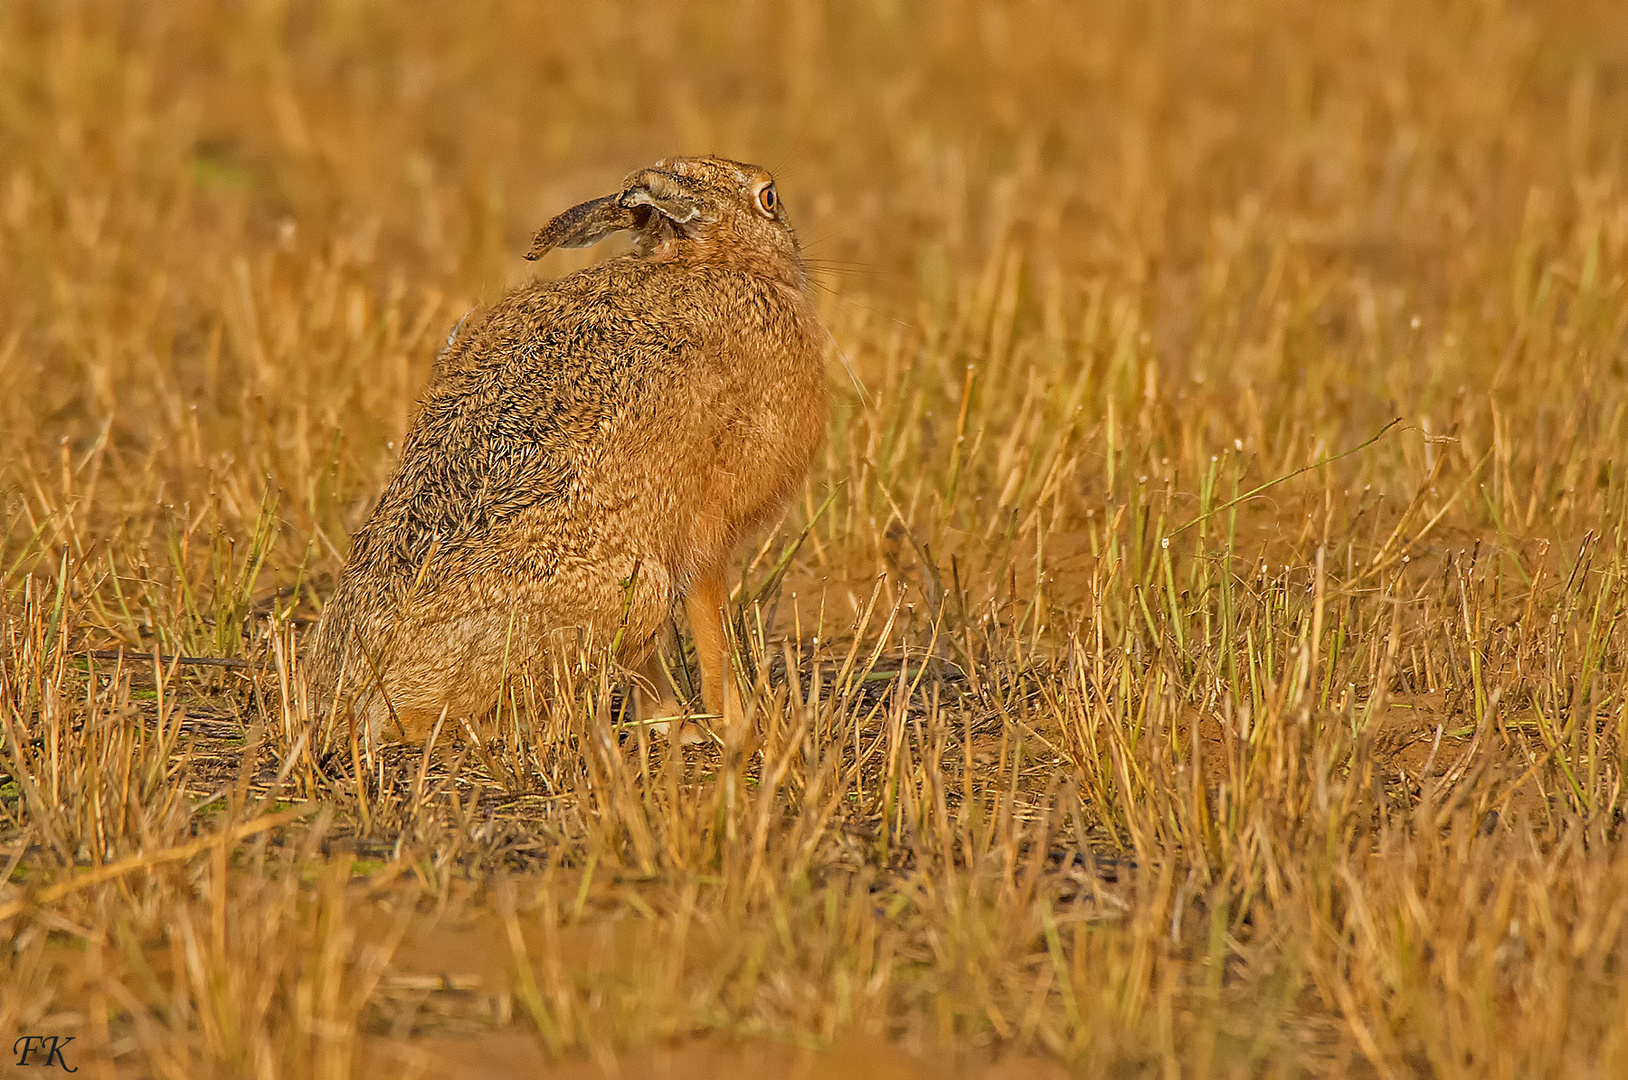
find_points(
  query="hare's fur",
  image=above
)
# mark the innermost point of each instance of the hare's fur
(589, 450)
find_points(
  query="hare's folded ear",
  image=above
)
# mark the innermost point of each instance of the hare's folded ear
(583, 224)
(663, 193)
(676, 207)
(646, 195)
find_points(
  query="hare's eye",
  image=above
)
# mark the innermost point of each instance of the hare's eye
(766, 200)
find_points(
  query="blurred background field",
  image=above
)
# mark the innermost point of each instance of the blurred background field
(1073, 754)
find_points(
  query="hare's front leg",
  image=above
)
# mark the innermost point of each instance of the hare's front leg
(706, 606)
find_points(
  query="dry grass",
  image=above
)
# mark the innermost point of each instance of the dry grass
(1067, 755)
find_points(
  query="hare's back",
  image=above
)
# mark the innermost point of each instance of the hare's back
(517, 421)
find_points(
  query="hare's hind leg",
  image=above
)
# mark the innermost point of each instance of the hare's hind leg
(657, 697)
(706, 607)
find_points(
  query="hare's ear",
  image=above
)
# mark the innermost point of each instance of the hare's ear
(671, 204)
(583, 224)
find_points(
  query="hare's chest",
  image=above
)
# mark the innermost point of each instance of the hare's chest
(760, 455)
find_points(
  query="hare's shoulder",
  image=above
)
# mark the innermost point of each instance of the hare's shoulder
(575, 331)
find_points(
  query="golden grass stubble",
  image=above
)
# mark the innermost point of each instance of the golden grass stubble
(1325, 782)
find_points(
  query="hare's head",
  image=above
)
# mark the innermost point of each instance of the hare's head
(697, 208)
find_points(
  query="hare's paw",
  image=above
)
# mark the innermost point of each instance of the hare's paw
(688, 732)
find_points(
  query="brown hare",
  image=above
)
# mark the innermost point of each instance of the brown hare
(589, 450)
